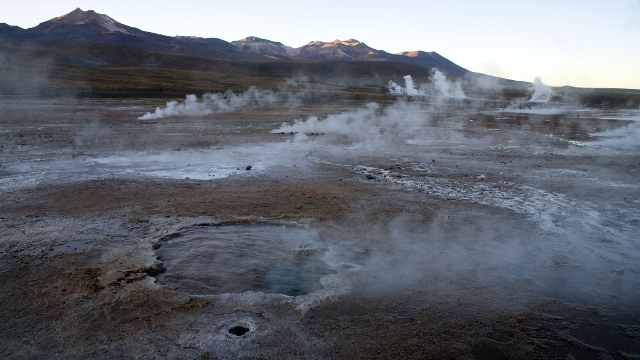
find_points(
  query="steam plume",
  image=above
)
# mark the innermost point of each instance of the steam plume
(190, 107)
(542, 93)
(229, 101)
(537, 104)
(370, 125)
(442, 87)
(446, 88)
(408, 89)
(626, 136)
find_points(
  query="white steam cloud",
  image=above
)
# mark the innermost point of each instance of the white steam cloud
(440, 87)
(408, 89)
(626, 136)
(538, 103)
(371, 125)
(446, 88)
(542, 92)
(190, 107)
(291, 91)
(213, 103)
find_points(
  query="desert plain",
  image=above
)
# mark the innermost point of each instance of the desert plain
(402, 227)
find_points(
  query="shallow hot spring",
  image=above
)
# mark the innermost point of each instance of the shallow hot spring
(217, 259)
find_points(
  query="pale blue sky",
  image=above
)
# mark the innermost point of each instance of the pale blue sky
(588, 43)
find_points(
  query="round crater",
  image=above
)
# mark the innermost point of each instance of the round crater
(239, 329)
(218, 259)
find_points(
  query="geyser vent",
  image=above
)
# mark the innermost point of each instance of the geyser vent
(239, 330)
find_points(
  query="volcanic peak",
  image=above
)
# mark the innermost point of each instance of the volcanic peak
(89, 27)
(255, 39)
(256, 45)
(80, 17)
(348, 42)
(419, 54)
(410, 53)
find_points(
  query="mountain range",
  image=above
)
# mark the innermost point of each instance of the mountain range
(89, 27)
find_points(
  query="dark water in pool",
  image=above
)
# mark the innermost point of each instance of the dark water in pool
(274, 259)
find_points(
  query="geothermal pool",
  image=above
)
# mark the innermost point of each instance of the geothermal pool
(483, 228)
(269, 258)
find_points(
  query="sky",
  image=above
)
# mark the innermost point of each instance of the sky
(588, 43)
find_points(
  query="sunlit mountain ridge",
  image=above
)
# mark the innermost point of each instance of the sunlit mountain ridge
(81, 26)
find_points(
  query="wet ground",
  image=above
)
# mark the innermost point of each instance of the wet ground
(414, 229)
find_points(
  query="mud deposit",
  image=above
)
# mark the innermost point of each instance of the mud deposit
(457, 228)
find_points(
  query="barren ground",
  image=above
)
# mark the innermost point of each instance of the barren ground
(489, 235)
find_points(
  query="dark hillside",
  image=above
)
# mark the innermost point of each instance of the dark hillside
(108, 70)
